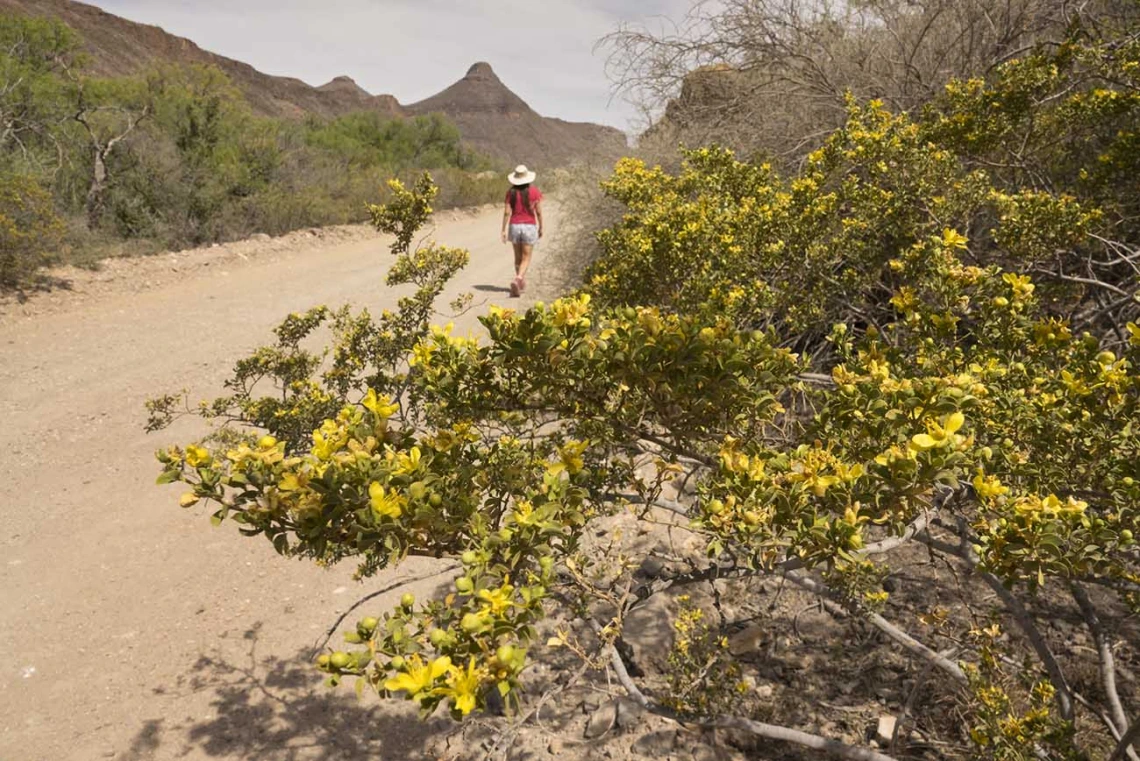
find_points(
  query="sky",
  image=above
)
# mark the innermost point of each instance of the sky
(542, 49)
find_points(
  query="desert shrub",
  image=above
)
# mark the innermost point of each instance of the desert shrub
(968, 422)
(769, 77)
(1029, 164)
(816, 378)
(30, 229)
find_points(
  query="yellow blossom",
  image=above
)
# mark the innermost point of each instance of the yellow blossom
(939, 434)
(380, 405)
(419, 677)
(463, 687)
(496, 601)
(989, 487)
(198, 457)
(385, 503)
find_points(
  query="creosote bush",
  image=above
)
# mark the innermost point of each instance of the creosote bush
(812, 377)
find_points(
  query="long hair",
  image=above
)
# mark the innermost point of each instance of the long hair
(524, 191)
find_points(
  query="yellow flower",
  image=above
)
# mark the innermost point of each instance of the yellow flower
(463, 687)
(421, 354)
(569, 458)
(198, 457)
(953, 239)
(386, 504)
(1020, 284)
(524, 512)
(989, 487)
(328, 440)
(380, 405)
(496, 601)
(1133, 333)
(419, 677)
(294, 482)
(409, 463)
(939, 435)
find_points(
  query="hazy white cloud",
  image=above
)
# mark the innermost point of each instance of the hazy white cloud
(542, 49)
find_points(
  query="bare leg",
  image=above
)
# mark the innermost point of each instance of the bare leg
(522, 259)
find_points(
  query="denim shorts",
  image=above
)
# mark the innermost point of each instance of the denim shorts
(527, 234)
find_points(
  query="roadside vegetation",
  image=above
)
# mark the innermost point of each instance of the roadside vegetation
(896, 380)
(175, 158)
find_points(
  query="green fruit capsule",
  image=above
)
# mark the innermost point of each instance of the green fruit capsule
(369, 624)
(437, 637)
(435, 500)
(1128, 480)
(398, 662)
(417, 490)
(1126, 535)
(323, 661)
(407, 601)
(1106, 358)
(469, 557)
(546, 563)
(471, 623)
(505, 654)
(340, 660)
(464, 585)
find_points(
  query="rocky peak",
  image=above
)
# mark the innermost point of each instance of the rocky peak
(481, 71)
(343, 84)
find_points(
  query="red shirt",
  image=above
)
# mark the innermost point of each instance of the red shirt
(519, 213)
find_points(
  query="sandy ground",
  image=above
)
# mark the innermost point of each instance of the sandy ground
(130, 629)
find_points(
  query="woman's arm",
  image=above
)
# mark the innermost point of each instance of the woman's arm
(506, 219)
(538, 216)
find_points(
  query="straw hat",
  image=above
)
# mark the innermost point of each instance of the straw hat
(521, 176)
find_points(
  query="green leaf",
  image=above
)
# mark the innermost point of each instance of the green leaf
(168, 477)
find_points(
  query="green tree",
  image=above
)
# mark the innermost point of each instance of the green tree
(35, 56)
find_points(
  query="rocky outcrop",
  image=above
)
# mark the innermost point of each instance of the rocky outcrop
(496, 121)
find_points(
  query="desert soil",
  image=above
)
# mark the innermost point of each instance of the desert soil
(131, 629)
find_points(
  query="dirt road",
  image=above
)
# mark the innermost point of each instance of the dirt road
(130, 629)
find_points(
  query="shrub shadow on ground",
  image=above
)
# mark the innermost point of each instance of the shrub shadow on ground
(278, 709)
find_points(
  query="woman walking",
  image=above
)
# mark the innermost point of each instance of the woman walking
(522, 222)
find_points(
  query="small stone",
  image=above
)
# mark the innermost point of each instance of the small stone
(748, 640)
(651, 567)
(706, 753)
(885, 730)
(628, 713)
(655, 743)
(602, 720)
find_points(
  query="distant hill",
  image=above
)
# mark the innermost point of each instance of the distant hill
(497, 122)
(491, 118)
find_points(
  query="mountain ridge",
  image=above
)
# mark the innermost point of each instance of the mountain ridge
(491, 118)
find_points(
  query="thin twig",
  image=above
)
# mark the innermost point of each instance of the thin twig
(1107, 662)
(898, 635)
(770, 731)
(395, 585)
